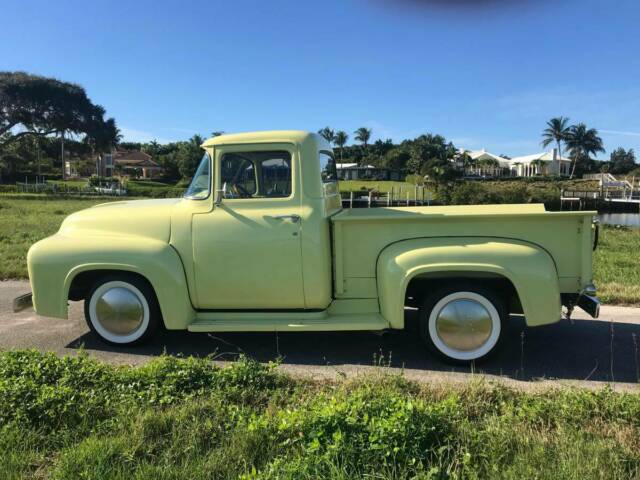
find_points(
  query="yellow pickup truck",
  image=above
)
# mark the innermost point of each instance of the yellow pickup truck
(260, 242)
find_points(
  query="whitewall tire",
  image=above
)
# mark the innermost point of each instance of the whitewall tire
(463, 324)
(122, 310)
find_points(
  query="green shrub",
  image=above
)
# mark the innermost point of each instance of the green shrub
(136, 190)
(4, 188)
(50, 393)
(187, 418)
(95, 181)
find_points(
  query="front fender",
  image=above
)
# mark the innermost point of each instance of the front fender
(55, 261)
(530, 269)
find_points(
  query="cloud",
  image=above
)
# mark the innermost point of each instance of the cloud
(497, 146)
(133, 135)
(618, 132)
(600, 105)
(383, 131)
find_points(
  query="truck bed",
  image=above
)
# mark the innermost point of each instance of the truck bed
(361, 234)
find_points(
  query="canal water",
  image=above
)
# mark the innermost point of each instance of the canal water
(627, 219)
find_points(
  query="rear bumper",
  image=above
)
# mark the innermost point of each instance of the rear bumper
(23, 302)
(589, 304)
(586, 300)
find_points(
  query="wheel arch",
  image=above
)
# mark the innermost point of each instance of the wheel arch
(524, 269)
(172, 296)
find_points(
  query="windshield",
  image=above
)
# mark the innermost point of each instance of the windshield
(200, 186)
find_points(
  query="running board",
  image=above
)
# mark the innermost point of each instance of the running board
(286, 322)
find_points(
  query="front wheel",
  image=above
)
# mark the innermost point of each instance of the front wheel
(463, 324)
(122, 309)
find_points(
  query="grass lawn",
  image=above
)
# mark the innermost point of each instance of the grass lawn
(616, 265)
(70, 183)
(67, 418)
(150, 183)
(25, 221)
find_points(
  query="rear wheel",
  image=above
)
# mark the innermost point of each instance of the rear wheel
(122, 309)
(463, 323)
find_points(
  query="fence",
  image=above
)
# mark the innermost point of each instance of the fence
(604, 199)
(66, 189)
(418, 195)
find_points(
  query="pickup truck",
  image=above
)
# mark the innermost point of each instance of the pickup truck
(261, 242)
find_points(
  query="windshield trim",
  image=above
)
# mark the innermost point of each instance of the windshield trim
(210, 188)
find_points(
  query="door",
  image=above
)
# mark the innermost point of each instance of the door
(247, 250)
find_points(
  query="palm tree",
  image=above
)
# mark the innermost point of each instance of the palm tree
(196, 140)
(363, 135)
(467, 161)
(556, 131)
(582, 142)
(488, 164)
(104, 137)
(328, 134)
(539, 165)
(341, 140)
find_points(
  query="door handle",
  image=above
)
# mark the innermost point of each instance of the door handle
(293, 217)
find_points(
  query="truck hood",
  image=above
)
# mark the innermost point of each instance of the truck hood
(145, 218)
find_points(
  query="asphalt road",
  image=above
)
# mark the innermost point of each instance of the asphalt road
(583, 351)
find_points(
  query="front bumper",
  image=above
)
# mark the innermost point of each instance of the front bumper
(23, 302)
(589, 304)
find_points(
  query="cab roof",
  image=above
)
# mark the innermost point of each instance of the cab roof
(271, 136)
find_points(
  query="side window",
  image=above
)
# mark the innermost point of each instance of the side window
(256, 174)
(328, 170)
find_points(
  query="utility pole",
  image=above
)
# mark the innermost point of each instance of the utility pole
(38, 154)
(62, 153)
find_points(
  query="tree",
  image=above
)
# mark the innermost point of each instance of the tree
(582, 142)
(340, 140)
(35, 106)
(622, 161)
(557, 131)
(397, 158)
(440, 171)
(328, 134)
(380, 148)
(539, 165)
(488, 163)
(427, 147)
(217, 133)
(466, 160)
(40, 106)
(152, 148)
(188, 156)
(363, 135)
(102, 137)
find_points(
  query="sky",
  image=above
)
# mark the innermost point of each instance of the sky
(483, 73)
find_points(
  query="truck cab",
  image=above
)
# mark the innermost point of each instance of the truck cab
(264, 214)
(260, 242)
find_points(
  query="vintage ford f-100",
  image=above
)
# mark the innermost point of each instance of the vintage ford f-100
(260, 242)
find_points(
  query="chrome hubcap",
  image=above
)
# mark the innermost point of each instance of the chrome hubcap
(464, 325)
(119, 311)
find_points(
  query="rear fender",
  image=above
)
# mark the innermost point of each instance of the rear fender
(529, 268)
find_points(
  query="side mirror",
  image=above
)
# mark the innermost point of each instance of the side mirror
(217, 198)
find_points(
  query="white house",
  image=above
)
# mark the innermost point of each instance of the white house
(501, 166)
(545, 163)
